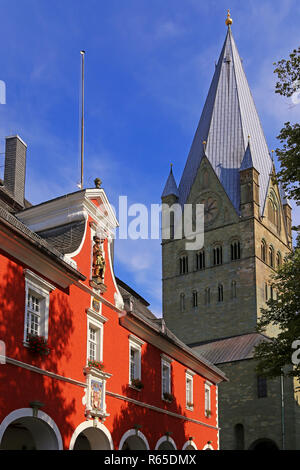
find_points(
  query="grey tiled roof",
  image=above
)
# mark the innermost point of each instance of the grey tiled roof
(10, 220)
(65, 238)
(232, 349)
(229, 116)
(171, 186)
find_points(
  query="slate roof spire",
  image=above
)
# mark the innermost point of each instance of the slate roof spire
(247, 161)
(171, 186)
(228, 117)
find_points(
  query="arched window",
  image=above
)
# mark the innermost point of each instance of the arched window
(233, 289)
(235, 250)
(271, 256)
(239, 435)
(266, 291)
(220, 293)
(217, 254)
(207, 296)
(278, 259)
(195, 298)
(273, 210)
(200, 260)
(263, 250)
(183, 265)
(182, 302)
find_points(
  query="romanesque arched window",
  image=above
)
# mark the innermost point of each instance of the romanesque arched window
(233, 289)
(278, 259)
(263, 250)
(183, 264)
(182, 302)
(207, 296)
(220, 293)
(195, 299)
(200, 260)
(273, 210)
(239, 436)
(217, 255)
(271, 256)
(235, 250)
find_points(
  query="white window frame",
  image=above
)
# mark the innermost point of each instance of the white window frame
(189, 377)
(207, 388)
(166, 362)
(96, 321)
(39, 288)
(135, 344)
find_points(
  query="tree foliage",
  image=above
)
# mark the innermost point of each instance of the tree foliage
(283, 311)
(288, 84)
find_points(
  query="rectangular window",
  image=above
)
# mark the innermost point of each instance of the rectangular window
(166, 376)
(94, 344)
(33, 314)
(135, 356)
(189, 390)
(37, 293)
(207, 400)
(262, 391)
(95, 328)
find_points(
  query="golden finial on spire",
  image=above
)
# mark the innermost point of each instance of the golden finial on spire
(228, 21)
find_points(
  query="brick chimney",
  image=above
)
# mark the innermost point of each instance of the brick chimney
(15, 168)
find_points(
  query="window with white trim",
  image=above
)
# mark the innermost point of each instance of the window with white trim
(135, 357)
(165, 375)
(95, 328)
(207, 400)
(189, 390)
(37, 292)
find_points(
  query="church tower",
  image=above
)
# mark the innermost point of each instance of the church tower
(218, 291)
(212, 297)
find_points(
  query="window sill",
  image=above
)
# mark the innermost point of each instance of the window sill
(134, 388)
(190, 408)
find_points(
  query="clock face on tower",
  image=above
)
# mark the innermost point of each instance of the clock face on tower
(211, 208)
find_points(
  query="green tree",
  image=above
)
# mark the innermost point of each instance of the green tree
(283, 311)
(288, 84)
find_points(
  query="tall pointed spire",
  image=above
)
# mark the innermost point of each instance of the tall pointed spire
(228, 117)
(171, 186)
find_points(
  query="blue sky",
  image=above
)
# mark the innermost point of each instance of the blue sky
(149, 64)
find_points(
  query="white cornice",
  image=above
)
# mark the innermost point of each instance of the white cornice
(70, 208)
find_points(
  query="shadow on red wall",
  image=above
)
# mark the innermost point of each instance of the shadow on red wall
(19, 386)
(152, 424)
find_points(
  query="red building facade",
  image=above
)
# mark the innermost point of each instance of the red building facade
(108, 374)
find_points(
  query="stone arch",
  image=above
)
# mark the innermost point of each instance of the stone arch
(89, 437)
(189, 445)
(264, 444)
(165, 443)
(208, 447)
(133, 440)
(20, 428)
